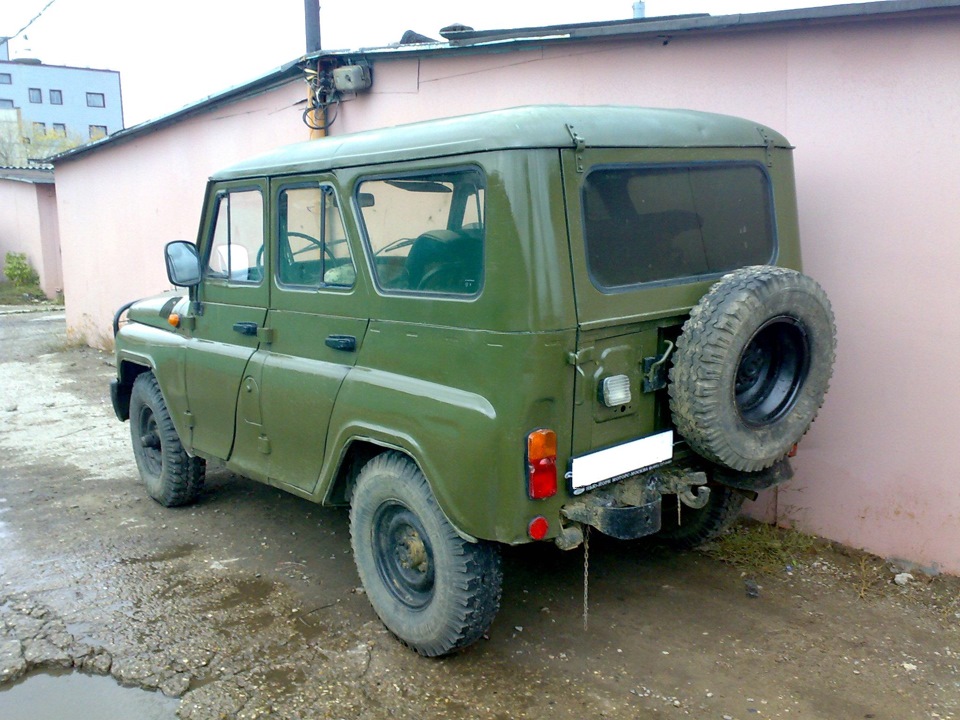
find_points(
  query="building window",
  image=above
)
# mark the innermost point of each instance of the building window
(5, 79)
(6, 104)
(35, 95)
(39, 127)
(60, 129)
(56, 97)
(98, 131)
(96, 100)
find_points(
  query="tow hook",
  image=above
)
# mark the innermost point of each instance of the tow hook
(689, 487)
(570, 537)
(695, 500)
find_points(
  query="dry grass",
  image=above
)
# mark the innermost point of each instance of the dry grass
(869, 575)
(763, 550)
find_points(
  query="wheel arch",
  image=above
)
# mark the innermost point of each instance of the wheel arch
(361, 448)
(127, 373)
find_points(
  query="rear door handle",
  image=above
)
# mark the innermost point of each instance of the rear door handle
(342, 342)
(245, 328)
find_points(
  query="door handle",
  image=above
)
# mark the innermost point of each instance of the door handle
(342, 342)
(245, 328)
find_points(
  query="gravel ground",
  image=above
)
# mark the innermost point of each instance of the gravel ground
(247, 604)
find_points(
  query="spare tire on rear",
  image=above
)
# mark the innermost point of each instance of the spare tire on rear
(752, 366)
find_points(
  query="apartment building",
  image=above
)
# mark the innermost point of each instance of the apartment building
(80, 103)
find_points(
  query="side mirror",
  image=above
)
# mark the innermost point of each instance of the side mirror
(183, 263)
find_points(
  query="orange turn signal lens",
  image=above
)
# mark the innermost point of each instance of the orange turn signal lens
(174, 319)
(541, 444)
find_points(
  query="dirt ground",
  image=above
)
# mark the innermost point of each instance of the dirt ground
(247, 604)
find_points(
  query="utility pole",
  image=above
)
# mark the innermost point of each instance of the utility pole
(311, 24)
(311, 16)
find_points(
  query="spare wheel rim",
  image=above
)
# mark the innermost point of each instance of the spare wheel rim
(771, 371)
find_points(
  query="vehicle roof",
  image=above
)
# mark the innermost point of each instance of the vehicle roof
(538, 126)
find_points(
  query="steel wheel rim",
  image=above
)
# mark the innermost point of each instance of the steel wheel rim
(150, 443)
(771, 370)
(403, 555)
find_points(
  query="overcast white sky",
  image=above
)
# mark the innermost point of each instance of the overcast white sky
(174, 52)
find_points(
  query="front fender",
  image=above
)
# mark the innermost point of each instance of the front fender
(141, 348)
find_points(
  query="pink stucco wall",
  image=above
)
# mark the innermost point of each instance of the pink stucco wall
(870, 105)
(872, 108)
(119, 206)
(28, 224)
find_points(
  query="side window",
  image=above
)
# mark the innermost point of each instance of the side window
(236, 246)
(313, 249)
(425, 232)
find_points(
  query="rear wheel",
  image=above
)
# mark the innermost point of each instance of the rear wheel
(432, 589)
(697, 526)
(171, 475)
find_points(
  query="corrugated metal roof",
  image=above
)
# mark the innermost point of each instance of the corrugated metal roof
(34, 175)
(497, 40)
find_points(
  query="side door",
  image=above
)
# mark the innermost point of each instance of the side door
(231, 309)
(316, 325)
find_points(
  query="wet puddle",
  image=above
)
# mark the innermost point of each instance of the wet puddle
(81, 697)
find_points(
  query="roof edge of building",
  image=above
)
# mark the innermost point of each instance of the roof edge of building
(493, 40)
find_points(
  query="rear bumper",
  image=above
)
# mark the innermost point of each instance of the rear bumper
(624, 522)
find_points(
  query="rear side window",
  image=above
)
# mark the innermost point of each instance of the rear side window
(661, 223)
(312, 244)
(425, 232)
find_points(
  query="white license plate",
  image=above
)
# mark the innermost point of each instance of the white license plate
(606, 466)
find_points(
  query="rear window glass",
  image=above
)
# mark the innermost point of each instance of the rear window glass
(661, 223)
(425, 232)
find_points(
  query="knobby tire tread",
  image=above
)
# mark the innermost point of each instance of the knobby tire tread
(473, 596)
(700, 401)
(182, 475)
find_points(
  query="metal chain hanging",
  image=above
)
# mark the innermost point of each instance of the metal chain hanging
(586, 577)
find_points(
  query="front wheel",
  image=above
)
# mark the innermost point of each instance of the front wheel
(432, 589)
(171, 475)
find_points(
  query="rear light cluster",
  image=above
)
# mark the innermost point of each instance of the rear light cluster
(541, 464)
(541, 476)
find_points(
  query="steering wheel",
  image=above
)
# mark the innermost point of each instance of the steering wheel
(395, 245)
(313, 241)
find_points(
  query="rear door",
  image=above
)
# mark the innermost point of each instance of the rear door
(650, 231)
(233, 297)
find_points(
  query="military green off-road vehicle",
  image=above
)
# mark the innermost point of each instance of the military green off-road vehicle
(492, 329)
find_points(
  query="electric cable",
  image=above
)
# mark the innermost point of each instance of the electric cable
(32, 20)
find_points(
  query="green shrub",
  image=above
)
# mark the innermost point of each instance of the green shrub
(19, 271)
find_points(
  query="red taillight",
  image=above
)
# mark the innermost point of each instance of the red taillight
(541, 464)
(793, 451)
(538, 527)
